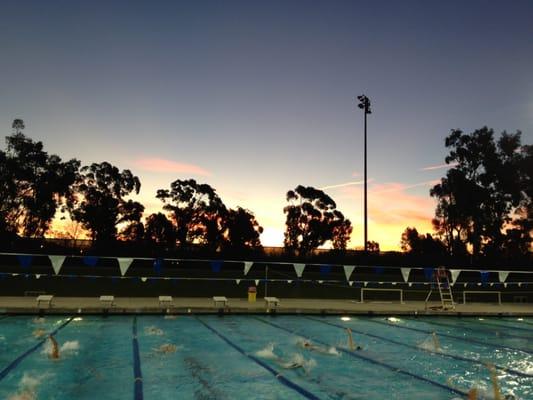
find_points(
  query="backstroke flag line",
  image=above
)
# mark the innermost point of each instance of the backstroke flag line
(455, 273)
(124, 264)
(247, 266)
(57, 263)
(299, 268)
(348, 269)
(405, 273)
(503, 275)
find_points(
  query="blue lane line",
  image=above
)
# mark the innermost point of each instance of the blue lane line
(451, 336)
(277, 374)
(500, 334)
(137, 374)
(446, 355)
(518, 322)
(19, 359)
(492, 323)
(373, 361)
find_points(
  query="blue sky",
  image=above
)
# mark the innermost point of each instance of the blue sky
(255, 98)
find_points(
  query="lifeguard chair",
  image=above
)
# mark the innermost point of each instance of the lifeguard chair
(441, 282)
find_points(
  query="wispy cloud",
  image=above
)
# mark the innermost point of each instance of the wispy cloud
(354, 183)
(440, 166)
(400, 187)
(169, 166)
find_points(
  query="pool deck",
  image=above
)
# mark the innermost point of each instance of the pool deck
(150, 305)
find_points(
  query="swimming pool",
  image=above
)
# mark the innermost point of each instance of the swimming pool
(261, 357)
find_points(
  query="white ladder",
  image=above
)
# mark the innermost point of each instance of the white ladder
(445, 291)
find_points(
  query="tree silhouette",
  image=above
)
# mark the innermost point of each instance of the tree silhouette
(18, 126)
(100, 205)
(372, 246)
(34, 184)
(243, 230)
(197, 211)
(414, 243)
(312, 219)
(159, 229)
(130, 214)
(478, 195)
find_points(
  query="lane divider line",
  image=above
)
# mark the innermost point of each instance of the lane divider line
(137, 373)
(446, 355)
(451, 336)
(305, 393)
(374, 361)
(19, 359)
(520, 322)
(492, 323)
(431, 322)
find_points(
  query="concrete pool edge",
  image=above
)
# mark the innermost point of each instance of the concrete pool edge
(236, 306)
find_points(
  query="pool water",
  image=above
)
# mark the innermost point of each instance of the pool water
(262, 357)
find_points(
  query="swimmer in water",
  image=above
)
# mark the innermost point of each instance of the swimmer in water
(54, 354)
(39, 333)
(167, 348)
(318, 349)
(351, 343)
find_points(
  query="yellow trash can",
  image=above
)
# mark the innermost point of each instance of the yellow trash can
(252, 292)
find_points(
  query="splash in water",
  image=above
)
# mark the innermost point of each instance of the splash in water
(168, 348)
(267, 352)
(38, 333)
(27, 387)
(430, 344)
(153, 331)
(69, 347)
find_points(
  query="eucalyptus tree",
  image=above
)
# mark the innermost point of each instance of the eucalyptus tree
(159, 229)
(197, 212)
(485, 186)
(243, 230)
(35, 185)
(100, 204)
(312, 219)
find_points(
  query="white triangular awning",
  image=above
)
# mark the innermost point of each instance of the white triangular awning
(124, 264)
(237, 281)
(57, 263)
(257, 282)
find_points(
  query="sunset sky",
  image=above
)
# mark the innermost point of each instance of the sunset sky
(255, 98)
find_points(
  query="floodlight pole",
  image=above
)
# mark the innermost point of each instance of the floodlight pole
(366, 199)
(365, 106)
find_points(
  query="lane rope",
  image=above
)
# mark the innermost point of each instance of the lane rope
(374, 361)
(452, 337)
(446, 355)
(305, 393)
(137, 373)
(19, 359)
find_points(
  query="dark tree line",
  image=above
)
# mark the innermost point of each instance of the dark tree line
(484, 205)
(36, 187)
